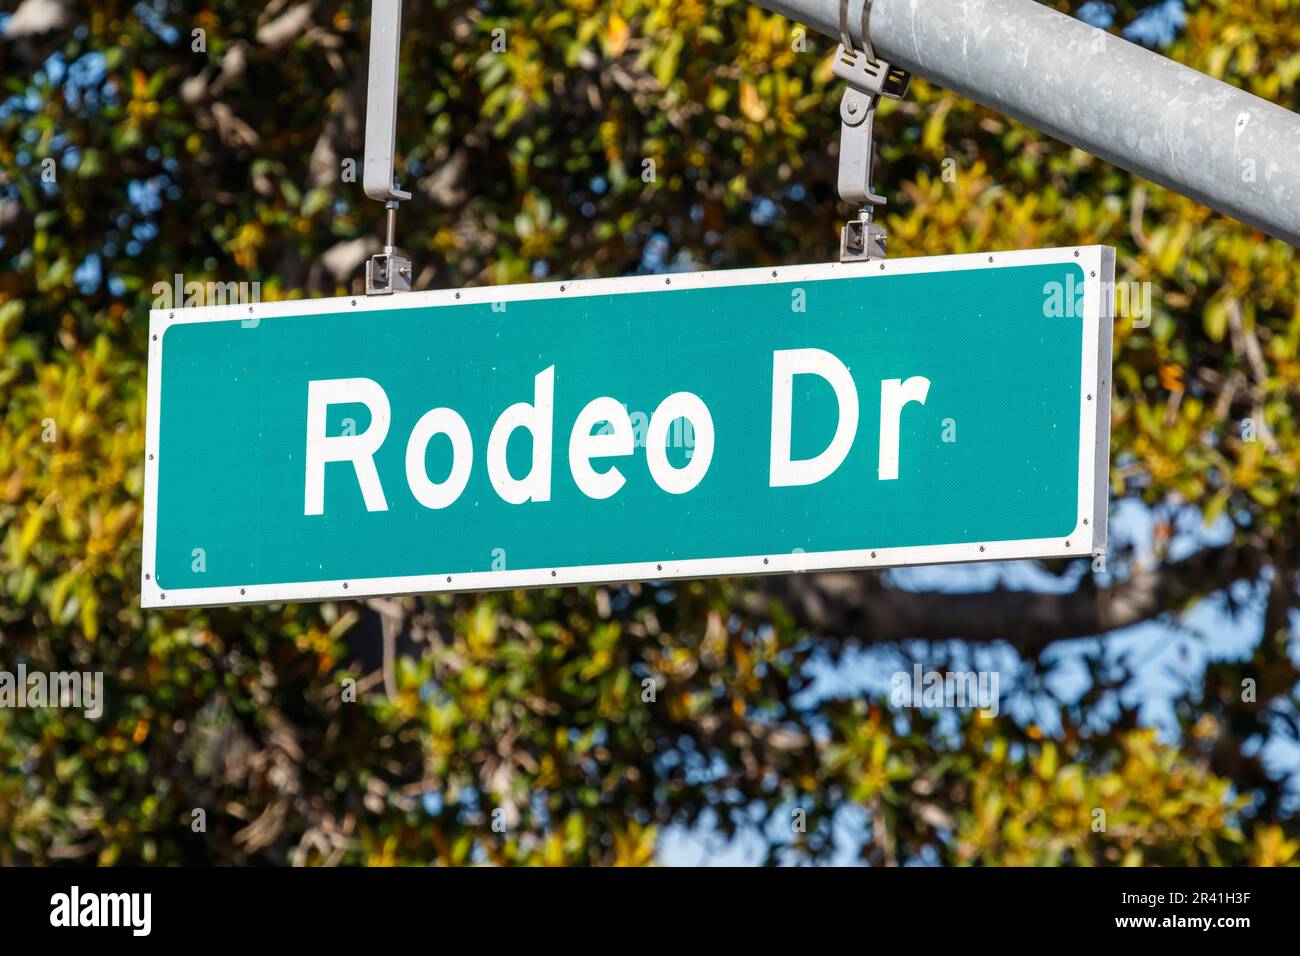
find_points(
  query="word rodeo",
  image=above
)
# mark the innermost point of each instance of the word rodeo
(613, 438)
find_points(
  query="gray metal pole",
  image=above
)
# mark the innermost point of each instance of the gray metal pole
(386, 272)
(381, 102)
(1209, 141)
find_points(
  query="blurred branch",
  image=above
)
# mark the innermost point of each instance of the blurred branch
(853, 606)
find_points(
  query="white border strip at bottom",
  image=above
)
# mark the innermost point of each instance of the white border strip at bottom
(1079, 545)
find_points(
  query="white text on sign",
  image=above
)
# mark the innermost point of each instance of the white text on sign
(616, 440)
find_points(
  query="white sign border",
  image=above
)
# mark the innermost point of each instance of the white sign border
(1088, 537)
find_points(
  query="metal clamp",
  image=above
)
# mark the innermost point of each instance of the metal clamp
(868, 79)
(387, 272)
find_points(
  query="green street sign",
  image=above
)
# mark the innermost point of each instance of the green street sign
(875, 414)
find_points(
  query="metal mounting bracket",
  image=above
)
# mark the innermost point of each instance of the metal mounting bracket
(868, 79)
(386, 272)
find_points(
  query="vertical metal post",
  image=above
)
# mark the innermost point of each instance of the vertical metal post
(381, 101)
(386, 272)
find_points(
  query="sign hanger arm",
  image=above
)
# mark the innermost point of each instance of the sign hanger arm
(386, 272)
(381, 102)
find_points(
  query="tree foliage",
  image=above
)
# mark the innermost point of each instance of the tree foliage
(212, 139)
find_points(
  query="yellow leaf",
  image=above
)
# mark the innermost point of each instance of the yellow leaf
(90, 613)
(31, 528)
(1216, 320)
(751, 104)
(1047, 762)
(617, 33)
